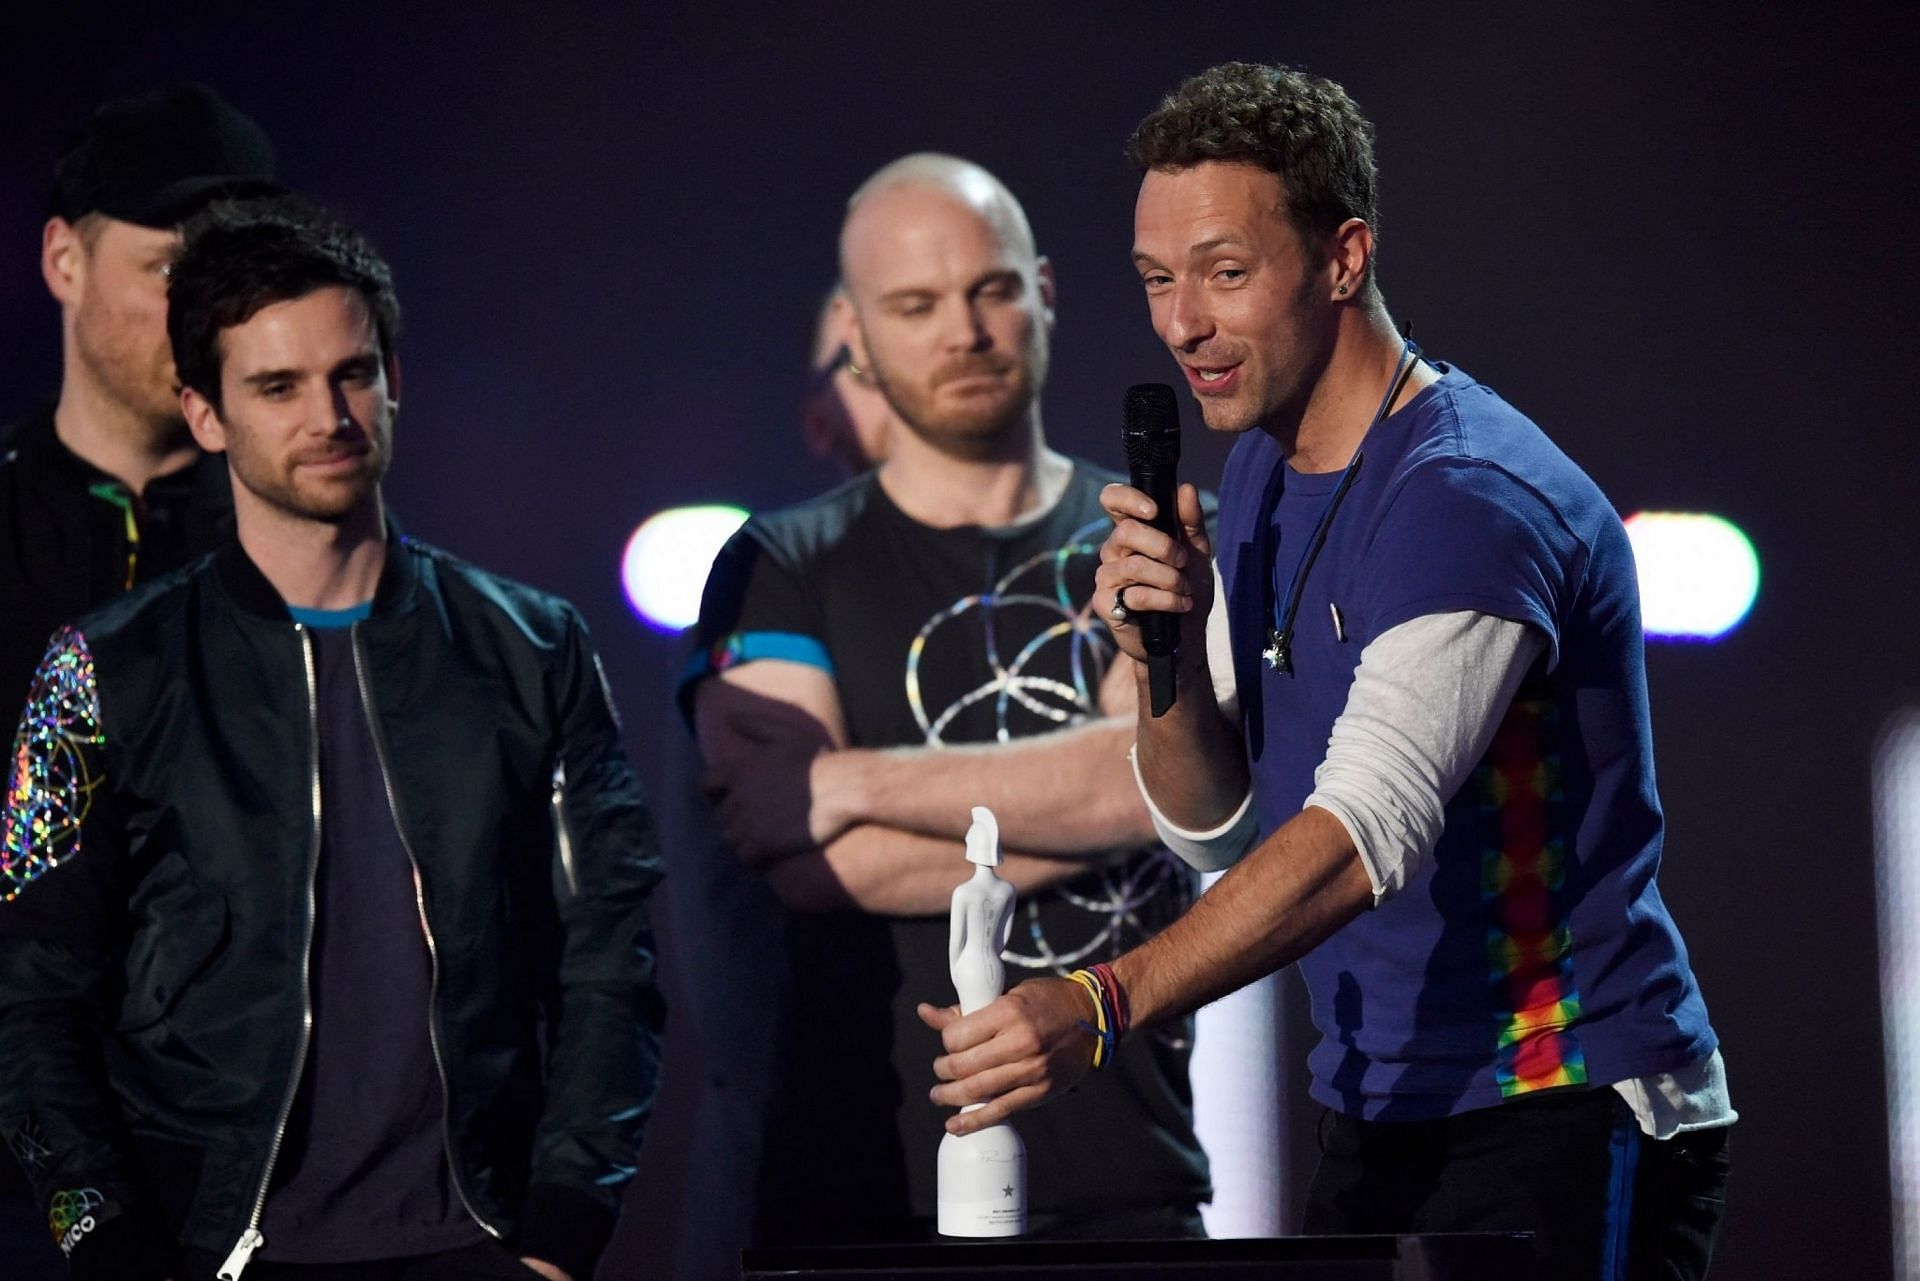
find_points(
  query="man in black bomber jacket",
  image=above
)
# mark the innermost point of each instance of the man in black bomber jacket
(324, 889)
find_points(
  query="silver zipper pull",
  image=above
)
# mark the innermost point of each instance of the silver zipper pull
(563, 838)
(250, 1240)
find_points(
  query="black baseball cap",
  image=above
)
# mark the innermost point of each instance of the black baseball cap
(157, 158)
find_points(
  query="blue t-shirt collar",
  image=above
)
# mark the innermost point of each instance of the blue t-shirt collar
(326, 619)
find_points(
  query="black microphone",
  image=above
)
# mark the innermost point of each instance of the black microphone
(1152, 436)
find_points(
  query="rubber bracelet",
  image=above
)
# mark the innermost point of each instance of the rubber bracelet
(1102, 1027)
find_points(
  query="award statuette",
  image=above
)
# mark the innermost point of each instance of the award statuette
(983, 1176)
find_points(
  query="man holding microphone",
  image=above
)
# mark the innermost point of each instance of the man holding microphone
(1431, 758)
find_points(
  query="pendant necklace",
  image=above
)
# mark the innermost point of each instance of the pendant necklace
(1279, 651)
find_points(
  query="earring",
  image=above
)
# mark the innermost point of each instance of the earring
(1342, 290)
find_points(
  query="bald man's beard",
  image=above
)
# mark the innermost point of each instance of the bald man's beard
(978, 427)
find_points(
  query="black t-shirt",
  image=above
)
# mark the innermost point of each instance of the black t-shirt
(946, 636)
(363, 1172)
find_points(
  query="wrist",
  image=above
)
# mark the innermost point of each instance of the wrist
(1093, 1020)
(1134, 986)
(1107, 1002)
(1190, 666)
(836, 781)
(1193, 662)
(1116, 996)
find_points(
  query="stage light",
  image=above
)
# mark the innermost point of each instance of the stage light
(1896, 821)
(665, 565)
(1235, 1071)
(1698, 574)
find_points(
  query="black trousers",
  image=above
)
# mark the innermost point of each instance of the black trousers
(1604, 1201)
(482, 1261)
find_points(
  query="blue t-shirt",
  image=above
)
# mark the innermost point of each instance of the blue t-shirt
(1532, 951)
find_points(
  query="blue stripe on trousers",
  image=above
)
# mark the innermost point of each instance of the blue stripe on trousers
(1623, 1152)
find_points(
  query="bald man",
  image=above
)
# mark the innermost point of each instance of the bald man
(911, 644)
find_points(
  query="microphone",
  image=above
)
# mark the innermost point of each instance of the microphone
(1152, 438)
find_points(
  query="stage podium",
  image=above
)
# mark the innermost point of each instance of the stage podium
(1467, 1256)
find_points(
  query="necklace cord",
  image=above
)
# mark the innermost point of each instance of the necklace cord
(1279, 652)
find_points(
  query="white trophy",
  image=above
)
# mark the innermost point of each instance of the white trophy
(983, 1175)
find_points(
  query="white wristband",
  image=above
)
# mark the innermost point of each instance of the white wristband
(1209, 851)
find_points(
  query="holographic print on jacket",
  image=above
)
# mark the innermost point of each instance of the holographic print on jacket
(1523, 887)
(50, 782)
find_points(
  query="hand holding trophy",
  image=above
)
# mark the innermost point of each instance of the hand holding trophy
(982, 1176)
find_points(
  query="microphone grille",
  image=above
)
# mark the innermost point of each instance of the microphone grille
(1152, 430)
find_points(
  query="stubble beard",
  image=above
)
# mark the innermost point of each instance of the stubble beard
(969, 431)
(1278, 403)
(141, 382)
(278, 484)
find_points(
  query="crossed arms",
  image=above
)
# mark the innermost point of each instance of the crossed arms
(836, 828)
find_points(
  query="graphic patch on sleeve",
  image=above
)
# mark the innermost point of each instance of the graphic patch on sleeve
(50, 782)
(76, 1213)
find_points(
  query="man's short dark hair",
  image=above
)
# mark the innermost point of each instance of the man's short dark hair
(237, 257)
(1302, 127)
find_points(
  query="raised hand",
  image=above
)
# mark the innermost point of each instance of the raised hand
(1147, 570)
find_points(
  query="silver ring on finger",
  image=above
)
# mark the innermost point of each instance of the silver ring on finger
(1119, 612)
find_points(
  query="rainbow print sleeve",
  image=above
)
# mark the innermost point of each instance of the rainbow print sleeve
(53, 771)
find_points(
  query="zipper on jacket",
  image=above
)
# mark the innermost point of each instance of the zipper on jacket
(426, 930)
(562, 836)
(252, 1239)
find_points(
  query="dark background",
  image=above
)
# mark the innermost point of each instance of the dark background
(1676, 236)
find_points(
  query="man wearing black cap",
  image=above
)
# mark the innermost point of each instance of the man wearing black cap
(105, 488)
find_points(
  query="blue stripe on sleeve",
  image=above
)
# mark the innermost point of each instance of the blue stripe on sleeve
(746, 647)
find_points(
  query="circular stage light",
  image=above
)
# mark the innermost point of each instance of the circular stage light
(1699, 574)
(665, 565)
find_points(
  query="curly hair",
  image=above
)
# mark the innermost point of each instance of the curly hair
(1302, 127)
(238, 257)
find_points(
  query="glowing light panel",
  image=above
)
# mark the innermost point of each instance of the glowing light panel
(1236, 1108)
(665, 565)
(1896, 813)
(1698, 574)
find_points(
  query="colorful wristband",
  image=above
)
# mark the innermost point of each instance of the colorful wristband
(1121, 1015)
(1103, 1026)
